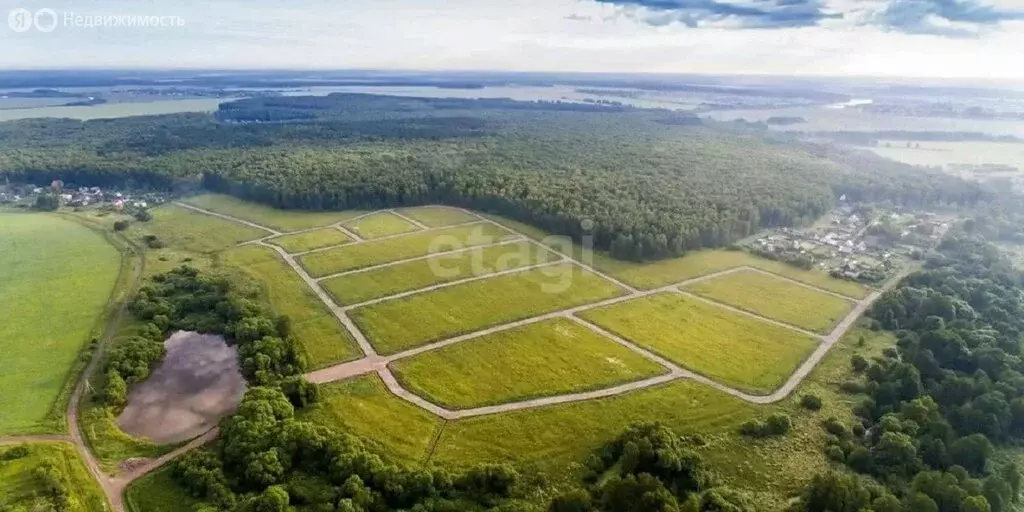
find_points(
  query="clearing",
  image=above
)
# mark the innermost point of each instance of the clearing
(412, 321)
(547, 358)
(363, 286)
(281, 220)
(310, 240)
(777, 299)
(196, 232)
(21, 489)
(159, 492)
(380, 224)
(438, 216)
(740, 351)
(57, 278)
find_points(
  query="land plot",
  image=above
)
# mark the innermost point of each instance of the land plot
(411, 321)
(323, 339)
(380, 224)
(437, 216)
(364, 407)
(443, 268)
(777, 299)
(356, 256)
(543, 359)
(179, 227)
(310, 240)
(736, 350)
(281, 220)
(159, 492)
(21, 489)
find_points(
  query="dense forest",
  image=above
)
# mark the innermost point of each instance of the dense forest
(655, 183)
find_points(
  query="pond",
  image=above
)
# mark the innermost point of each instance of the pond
(196, 385)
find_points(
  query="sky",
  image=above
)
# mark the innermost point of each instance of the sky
(895, 38)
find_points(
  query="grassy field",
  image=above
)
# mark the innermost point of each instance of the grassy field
(408, 322)
(733, 349)
(196, 232)
(281, 220)
(310, 240)
(322, 337)
(388, 424)
(358, 256)
(777, 299)
(363, 286)
(57, 277)
(158, 492)
(548, 358)
(380, 224)
(21, 490)
(437, 216)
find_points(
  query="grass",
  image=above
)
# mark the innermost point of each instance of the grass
(310, 240)
(411, 321)
(364, 407)
(543, 359)
(733, 349)
(777, 299)
(356, 256)
(159, 492)
(193, 231)
(323, 339)
(437, 216)
(380, 224)
(20, 489)
(363, 286)
(281, 220)
(57, 278)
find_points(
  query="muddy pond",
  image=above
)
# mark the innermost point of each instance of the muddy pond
(196, 385)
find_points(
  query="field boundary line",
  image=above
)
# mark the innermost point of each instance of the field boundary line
(438, 432)
(410, 220)
(229, 217)
(805, 285)
(650, 355)
(349, 233)
(411, 260)
(363, 240)
(751, 314)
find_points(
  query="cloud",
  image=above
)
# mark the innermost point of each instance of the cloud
(728, 13)
(954, 18)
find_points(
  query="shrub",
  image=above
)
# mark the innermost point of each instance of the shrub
(143, 216)
(835, 453)
(810, 402)
(116, 392)
(15, 453)
(835, 427)
(852, 387)
(859, 363)
(776, 425)
(153, 242)
(121, 225)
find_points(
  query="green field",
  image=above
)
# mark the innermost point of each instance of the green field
(21, 490)
(322, 338)
(158, 492)
(731, 348)
(310, 240)
(57, 277)
(777, 299)
(281, 220)
(380, 224)
(364, 407)
(196, 232)
(408, 322)
(437, 216)
(358, 256)
(363, 286)
(543, 359)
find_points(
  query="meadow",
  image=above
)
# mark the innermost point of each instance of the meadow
(437, 216)
(547, 358)
(363, 286)
(946, 153)
(196, 232)
(475, 305)
(21, 489)
(736, 350)
(777, 299)
(58, 277)
(380, 224)
(356, 256)
(322, 338)
(364, 407)
(281, 220)
(159, 492)
(310, 240)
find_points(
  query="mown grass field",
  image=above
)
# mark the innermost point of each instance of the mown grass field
(363, 286)
(437, 216)
(56, 277)
(731, 348)
(158, 492)
(356, 256)
(310, 240)
(196, 232)
(281, 220)
(380, 224)
(777, 299)
(364, 407)
(547, 358)
(408, 322)
(21, 490)
(323, 339)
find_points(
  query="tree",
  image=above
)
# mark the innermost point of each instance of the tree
(810, 402)
(971, 452)
(576, 500)
(47, 202)
(121, 225)
(273, 499)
